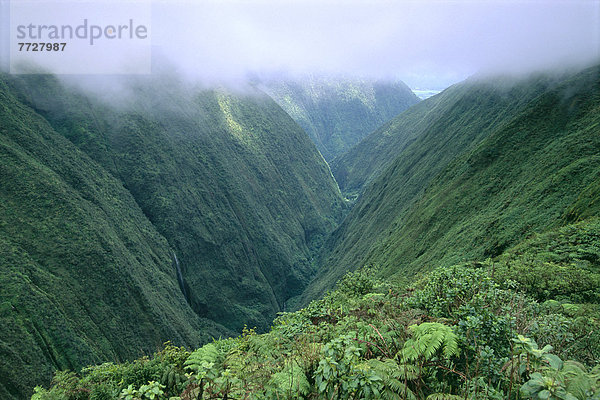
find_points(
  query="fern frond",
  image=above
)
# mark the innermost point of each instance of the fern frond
(578, 382)
(428, 338)
(393, 376)
(290, 382)
(203, 357)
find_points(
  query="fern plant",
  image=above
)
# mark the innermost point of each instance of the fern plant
(432, 344)
(444, 396)
(205, 367)
(429, 339)
(173, 380)
(290, 383)
(203, 360)
(394, 378)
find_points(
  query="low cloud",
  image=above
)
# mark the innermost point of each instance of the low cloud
(428, 44)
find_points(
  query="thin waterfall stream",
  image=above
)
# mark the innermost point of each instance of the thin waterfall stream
(180, 277)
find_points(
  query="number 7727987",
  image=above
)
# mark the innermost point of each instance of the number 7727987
(25, 46)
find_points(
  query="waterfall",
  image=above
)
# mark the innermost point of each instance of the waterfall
(180, 277)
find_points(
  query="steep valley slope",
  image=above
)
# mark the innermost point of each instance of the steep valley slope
(85, 276)
(494, 162)
(338, 112)
(104, 202)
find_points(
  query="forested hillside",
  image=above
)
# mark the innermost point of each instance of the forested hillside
(472, 190)
(139, 220)
(469, 265)
(434, 131)
(232, 183)
(523, 326)
(85, 276)
(338, 112)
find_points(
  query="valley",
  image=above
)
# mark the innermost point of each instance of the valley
(177, 217)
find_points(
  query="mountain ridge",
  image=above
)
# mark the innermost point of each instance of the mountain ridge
(391, 217)
(337, 112)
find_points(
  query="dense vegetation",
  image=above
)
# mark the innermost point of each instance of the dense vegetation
(179, 213)
(85, 276)
(498, 329)
(487, 179)
(338, 112)
(103, 201)
(234, 185)
(433, 132)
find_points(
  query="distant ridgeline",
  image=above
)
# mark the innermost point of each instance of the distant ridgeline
(167, 214)
(468, 173)
(338, 112)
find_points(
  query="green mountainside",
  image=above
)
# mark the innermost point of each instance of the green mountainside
(445, 125)
(469, 191)
(523, 326)
(233, 184)
(468, 268)
(338, 112)
(85, 276)
(103, 201)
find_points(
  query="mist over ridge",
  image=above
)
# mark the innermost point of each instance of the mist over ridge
(427, 44)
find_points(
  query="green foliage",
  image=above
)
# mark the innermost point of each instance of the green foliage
(457, 334)
(337, 113)
(444, 396)
(290, 383)
(206, 364)
(566, 259)
(551, 378)
(394, 378)
(147, 378)
(150, 391)
(428, 339)
(469, 297)
(467, 174)
(359, 283)
(446, 292)
(544, 387)
(203, 359)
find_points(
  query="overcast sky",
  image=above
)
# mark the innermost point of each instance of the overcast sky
(428, 44)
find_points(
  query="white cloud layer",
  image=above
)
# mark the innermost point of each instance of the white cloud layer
(428, 44)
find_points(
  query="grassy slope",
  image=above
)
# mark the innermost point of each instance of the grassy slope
(522, 174)
(338, 113)
(85, 276)
(234, 185)
(568, 259)
(432, 132)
